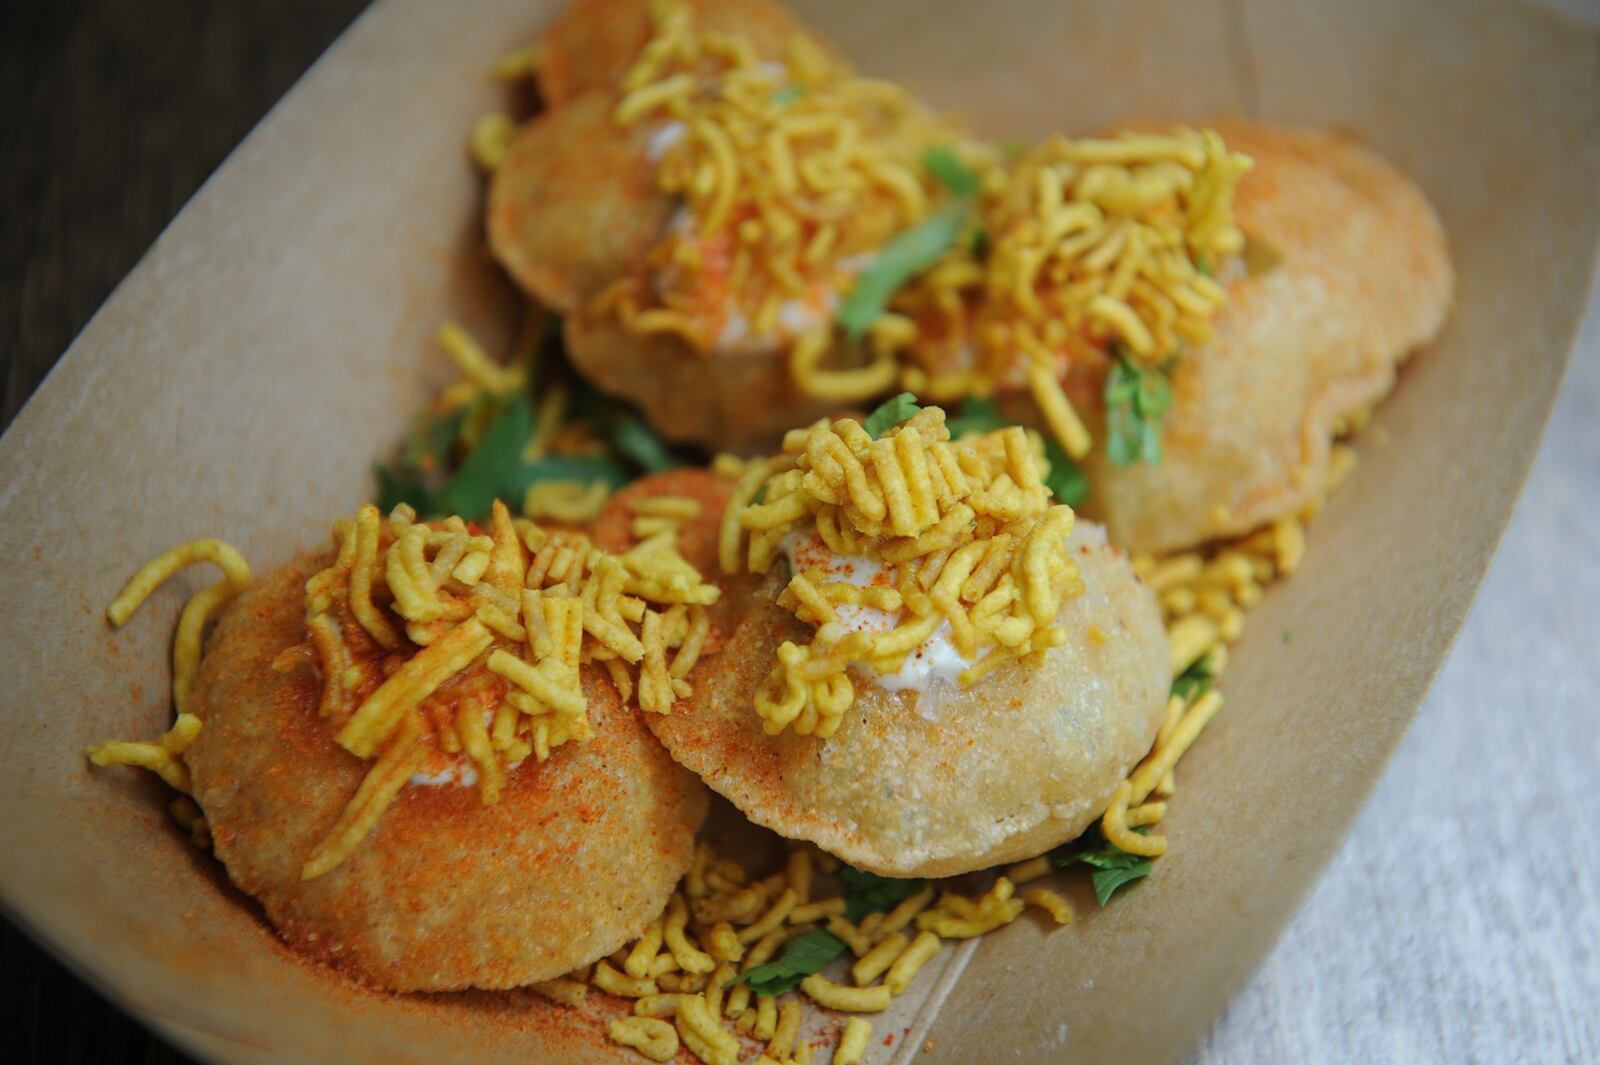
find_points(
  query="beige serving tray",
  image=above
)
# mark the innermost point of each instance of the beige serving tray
(277, 337)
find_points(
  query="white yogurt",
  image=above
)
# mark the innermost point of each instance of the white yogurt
(460, 772)
(936, 661)
(663, 137)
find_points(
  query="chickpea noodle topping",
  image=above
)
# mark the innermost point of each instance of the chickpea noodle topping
(791, 169)
(966, 535)
(449, 653)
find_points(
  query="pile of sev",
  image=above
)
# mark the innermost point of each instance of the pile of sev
(790, 172)
(965, 529)
(680, 973)
(442, 638)
(1096, 247)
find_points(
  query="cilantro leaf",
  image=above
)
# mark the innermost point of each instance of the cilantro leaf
(869, 893)
(1196, 680)
(1113, 867)
(639, 443)
(890, 413)
(800, 957)
(1066, 479)
(489, 470)
(978, 415)
(428, 444)
(396, 486)
(788, 94)
(906, 255)
(948, 170)
(495, 469)
(1137, 398)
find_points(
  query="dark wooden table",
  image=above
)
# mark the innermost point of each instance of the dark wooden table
(114, 113)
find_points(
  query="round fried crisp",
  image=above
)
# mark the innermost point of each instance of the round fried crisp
(579, 854)
(574, 205)
(943, 781)
(723, 400)
(1364, 278)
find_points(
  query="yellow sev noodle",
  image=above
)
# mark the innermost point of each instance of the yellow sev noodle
(790, 168)
(165, 756)
(526, 606)
(966, 527)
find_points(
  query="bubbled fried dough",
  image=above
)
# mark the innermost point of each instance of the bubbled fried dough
(579, 854)
(945, 781)
(574, 205)
(1365, 278)
(740, 400)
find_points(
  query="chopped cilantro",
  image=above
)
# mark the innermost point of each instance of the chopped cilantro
(948, 170)
(870, 893)
(1196, 680)
(978, 415)
(1113, 867)
(495, 469)
(799, 958)
(789, 93)
(864, 893)
(906, 255)
(1137, 397)
(1066, 479)
(890, 413)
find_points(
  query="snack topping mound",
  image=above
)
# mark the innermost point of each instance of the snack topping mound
(450, 654)
(792, 173)
(913, 555)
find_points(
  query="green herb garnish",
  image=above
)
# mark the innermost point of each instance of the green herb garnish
(978, 415)
(870, 893)
(636, 441)
(789, 93)
(948, 170)
(1113, 867)
(864, 893)
(890, 413)
(495, 469)
(1066, 479)
(800, 958)
(1137, 398)
(906, 255)
(1195, 680)
(396, 486)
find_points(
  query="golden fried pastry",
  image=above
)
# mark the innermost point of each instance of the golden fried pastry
(700, 216)
(922, 774)
(575, 205)
(1364, 279)
(578, 854)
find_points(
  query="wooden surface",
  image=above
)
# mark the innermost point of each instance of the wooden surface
(1460, 922)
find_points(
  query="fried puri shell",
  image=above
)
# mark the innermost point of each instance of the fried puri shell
(579, 854)
(594, 43)
(721, 400)
(574, 205)
(945, 781)
(1364, 279)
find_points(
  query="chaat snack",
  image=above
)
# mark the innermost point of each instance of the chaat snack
(933, 669)
(1194, 315)
(697, 217)
(420, 751)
